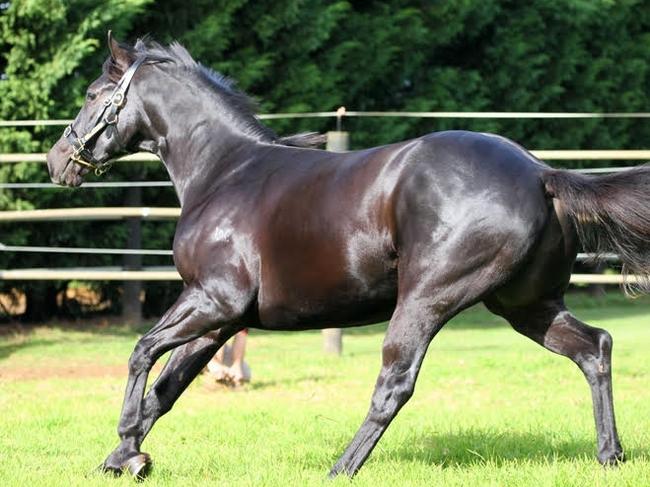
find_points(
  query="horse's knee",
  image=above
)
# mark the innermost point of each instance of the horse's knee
(140, 360)
(161, 398)
(156, 404)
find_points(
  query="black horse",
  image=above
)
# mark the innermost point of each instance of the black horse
(280, 237)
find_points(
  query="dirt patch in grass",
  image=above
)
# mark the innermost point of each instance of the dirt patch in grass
(71, 372)
(74, 371)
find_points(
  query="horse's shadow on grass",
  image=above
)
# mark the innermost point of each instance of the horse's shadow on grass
(17, 336)
(264, 384)
(8, 349)
(472, 447)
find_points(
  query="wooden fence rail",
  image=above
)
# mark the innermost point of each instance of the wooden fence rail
(169, 273)
(342, 112)
(91, 213)
(549, 155)
(165, 213)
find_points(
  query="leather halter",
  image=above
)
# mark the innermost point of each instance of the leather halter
(82, 155)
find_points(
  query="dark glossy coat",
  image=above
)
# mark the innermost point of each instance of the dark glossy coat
(289, 238)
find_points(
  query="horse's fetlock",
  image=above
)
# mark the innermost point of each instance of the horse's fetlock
(128, 435)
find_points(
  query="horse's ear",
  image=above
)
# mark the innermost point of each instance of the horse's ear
(121, 56)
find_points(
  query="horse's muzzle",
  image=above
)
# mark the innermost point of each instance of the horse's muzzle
(61, 168)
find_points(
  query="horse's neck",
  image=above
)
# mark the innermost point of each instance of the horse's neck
(197, 156)
(197, 143)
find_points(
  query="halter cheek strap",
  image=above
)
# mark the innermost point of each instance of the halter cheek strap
(82, 155)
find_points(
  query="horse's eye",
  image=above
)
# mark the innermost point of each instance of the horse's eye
(91, 96)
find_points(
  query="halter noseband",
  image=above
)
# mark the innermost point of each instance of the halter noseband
(107, 116)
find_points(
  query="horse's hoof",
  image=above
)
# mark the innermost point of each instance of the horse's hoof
(138, 466)
(109, 469)
(340, 470)
(613, 459)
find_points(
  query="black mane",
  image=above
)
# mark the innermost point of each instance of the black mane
(242, 107)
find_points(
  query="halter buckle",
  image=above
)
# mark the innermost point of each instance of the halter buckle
(118, 99)
(78, 147)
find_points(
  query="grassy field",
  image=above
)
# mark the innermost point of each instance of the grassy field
(490, 408)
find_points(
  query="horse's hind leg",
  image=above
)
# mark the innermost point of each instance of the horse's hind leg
(405, 345)
(551, 325)
(429, 298)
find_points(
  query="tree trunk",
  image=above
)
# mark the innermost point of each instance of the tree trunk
(131, 303)
(41, 302)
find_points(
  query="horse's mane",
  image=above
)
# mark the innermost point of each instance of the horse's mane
(242, 106)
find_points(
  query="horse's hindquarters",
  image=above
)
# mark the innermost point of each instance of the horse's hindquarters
(547, 271)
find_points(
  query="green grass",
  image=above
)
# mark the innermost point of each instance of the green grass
(490, 408)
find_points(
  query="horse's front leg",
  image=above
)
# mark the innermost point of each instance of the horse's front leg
(192, 316)
(185, 363)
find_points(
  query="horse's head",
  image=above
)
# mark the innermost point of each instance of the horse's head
(106, 125)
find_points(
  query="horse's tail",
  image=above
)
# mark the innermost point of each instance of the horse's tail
(611, 213)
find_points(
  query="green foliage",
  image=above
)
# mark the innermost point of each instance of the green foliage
(313, 55)
(51, 52)
(496, 55)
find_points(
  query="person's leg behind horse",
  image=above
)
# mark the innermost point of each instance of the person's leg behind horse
(239, 370)
(183, 366)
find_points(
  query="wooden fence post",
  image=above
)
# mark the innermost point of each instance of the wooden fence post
(337, 141)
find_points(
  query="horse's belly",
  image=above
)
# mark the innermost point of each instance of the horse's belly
(309, 305)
